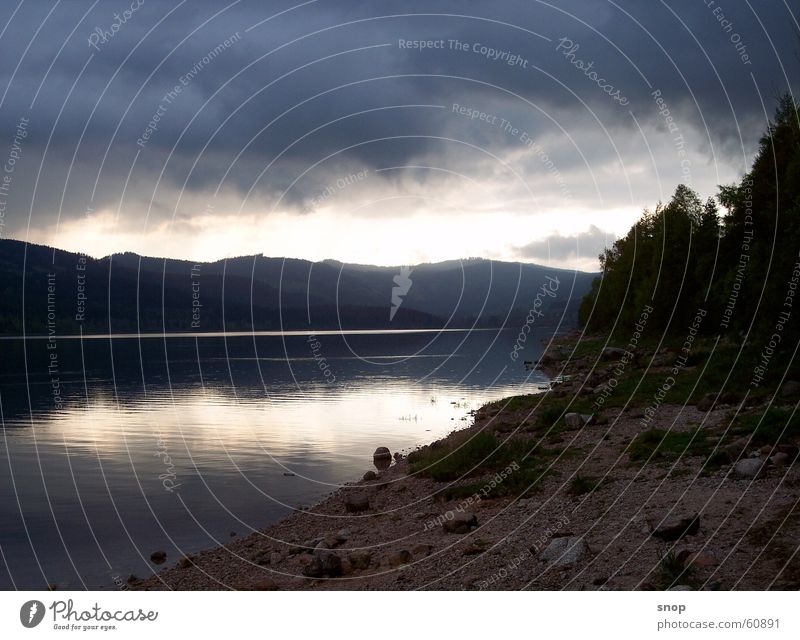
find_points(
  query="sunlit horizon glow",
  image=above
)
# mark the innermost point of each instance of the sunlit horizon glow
(418, 239)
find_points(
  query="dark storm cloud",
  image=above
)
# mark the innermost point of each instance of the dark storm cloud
(246, 113)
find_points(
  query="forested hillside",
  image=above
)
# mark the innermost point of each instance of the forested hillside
(733, 257)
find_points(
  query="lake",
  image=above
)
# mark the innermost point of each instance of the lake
(114, 447)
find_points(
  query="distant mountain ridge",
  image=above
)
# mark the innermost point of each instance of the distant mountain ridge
(128, 292)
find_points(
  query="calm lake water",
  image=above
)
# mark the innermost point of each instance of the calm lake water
(174, 443)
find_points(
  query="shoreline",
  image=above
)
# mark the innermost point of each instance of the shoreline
(242, 334)
(575, 502)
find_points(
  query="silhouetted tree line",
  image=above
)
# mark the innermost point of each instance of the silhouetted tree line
(740, 267)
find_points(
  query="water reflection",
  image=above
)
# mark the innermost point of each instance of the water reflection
(174, 443)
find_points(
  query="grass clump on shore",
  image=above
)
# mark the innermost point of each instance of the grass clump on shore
(581, 485)
(658, 444)
(526, 402)
(551, 415)
(715, 462)
(509, 466)
(773, 426)
(522, 483)
(672, 572)
(454, 458)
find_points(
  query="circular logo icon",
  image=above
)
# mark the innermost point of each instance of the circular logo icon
(31, 613)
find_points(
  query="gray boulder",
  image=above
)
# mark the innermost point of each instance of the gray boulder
(675, 529)
(400, 558)
(575, 420)
(309, 545)
(565, 551)
(748, 467)
(328, 542)
(324, 563)
(355, 502)
(462, 522)
(360, 560)
(264, 584)
(342, 535)
(736, 449)
(780, 459)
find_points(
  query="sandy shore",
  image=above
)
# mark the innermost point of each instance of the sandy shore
(595, 519)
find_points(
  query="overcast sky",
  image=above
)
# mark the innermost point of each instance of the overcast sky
(525, 131)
